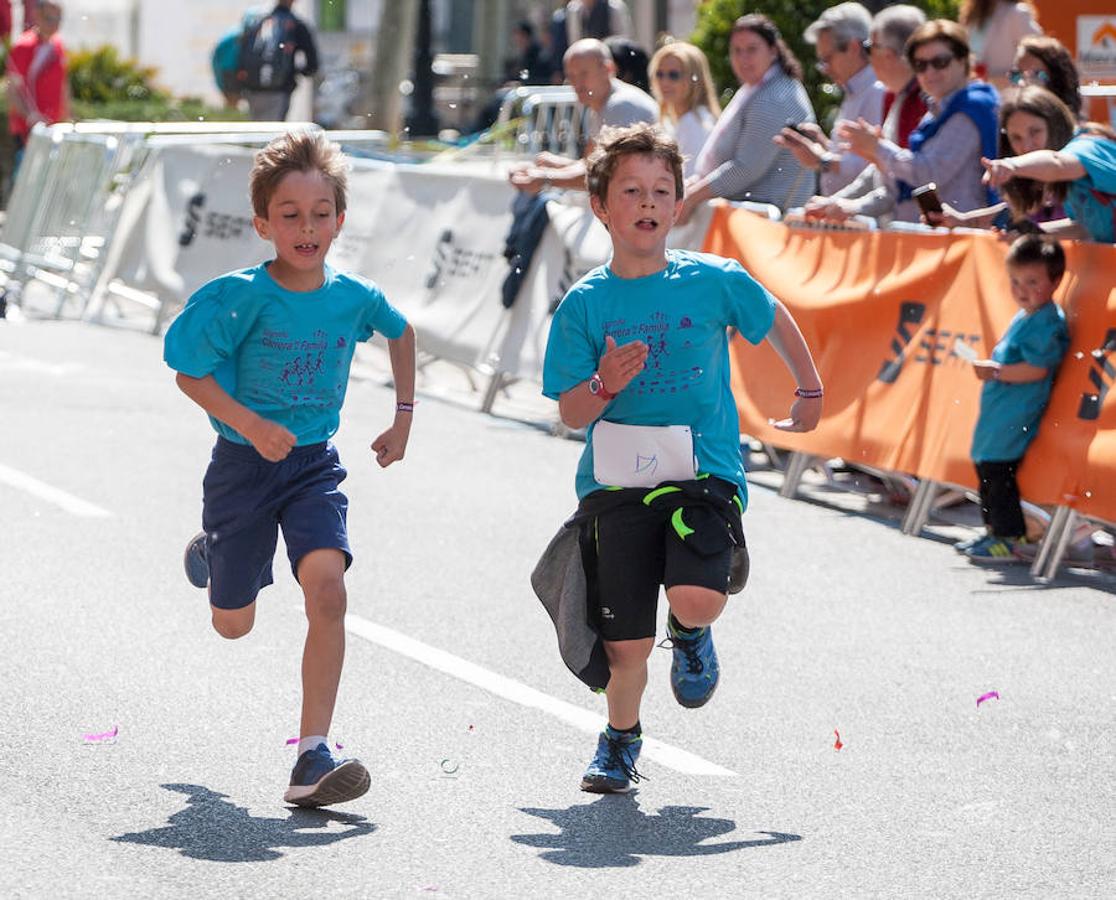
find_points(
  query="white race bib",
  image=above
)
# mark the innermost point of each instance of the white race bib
(642, 455)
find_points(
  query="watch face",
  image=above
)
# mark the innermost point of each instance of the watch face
(595, 385)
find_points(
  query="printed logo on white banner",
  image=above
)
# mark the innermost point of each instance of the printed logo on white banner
(453, 261)
(1096, 45)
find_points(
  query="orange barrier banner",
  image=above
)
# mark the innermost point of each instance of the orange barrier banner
(883, 314)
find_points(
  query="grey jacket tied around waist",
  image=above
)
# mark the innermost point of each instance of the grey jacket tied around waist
(564, 578)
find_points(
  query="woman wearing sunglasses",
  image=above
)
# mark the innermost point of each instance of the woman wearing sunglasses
(949, 142)
(1044, 61)
(688, 106)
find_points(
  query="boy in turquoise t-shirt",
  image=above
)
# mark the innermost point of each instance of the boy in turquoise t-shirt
(1017, 381)
(638, 352)
(266, 353)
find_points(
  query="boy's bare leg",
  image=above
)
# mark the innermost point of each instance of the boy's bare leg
(233, 623)
(695, 607)
(322, 576)
(627, 663)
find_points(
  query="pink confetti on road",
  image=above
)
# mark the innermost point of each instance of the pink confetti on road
(837, 745)
(991, 695)
(104, 737)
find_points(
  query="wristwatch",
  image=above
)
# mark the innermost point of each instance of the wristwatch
(597, 388)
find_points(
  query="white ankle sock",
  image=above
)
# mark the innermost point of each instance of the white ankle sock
(310, 742)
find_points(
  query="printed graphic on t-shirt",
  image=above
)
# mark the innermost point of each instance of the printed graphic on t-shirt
(666, 371)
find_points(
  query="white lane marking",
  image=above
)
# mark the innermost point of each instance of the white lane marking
(57, 496)
(509, 689)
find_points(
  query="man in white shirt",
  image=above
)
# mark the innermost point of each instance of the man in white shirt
(839, 35)
(591, 72)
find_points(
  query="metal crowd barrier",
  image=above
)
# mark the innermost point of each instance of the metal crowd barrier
(551, 119)
(69, 193)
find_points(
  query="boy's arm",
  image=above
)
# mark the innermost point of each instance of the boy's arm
(390, 446)
(272, 441)
(788, 342)
(1010, 373)
(579, 406)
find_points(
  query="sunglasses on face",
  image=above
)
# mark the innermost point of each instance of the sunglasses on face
(672, 75)
(1028, 76)
(938, 62)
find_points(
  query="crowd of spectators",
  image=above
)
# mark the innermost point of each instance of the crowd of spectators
(987, 109)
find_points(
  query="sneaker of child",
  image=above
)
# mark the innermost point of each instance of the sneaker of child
(694, 671)
(992, 550)
(196, 561)
(613, 770)
(320, 779)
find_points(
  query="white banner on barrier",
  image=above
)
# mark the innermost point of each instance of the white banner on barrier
(431, 236)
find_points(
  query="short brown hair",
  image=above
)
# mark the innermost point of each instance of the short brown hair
(945, 30)
(1037, 249)
(616, 143)
(297, 151)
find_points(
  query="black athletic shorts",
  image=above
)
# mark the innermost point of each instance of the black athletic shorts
(639, 548)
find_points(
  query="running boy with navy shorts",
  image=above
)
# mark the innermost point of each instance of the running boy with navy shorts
(1017, 382)
(266, 353)
(638, 354)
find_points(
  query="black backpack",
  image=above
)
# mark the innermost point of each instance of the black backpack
(267, 52)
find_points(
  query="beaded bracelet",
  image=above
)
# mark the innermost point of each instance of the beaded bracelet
(809, 393)
(403, 406)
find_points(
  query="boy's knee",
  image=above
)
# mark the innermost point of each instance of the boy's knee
(696, 606)
(326, 600)
(233, 623)
(626, 655)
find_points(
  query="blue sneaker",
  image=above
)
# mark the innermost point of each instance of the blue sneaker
(196, 561)
(694, 672)
(968, 544)
(992, 550)
(613, 770)
(318, 779)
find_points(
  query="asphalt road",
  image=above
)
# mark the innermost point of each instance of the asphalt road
(455, 698)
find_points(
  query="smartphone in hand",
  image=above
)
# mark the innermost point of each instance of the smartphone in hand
(927, 198)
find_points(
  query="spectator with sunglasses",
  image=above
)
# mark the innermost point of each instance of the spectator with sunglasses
(949, 142)
(688, 107)
(1045, 61)
(995, 29)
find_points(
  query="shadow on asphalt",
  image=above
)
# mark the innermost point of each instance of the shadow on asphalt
(212, 828)
(614, 832)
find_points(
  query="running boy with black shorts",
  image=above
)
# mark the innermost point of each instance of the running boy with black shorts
(266, 353)
(638, 353)
(1017, 382)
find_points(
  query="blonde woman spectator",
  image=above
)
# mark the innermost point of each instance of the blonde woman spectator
(688, 106)
(995, 29)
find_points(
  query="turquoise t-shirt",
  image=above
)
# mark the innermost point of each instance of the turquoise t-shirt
(1010, 413)
(1092, 200)
(682, 313)
(283, 354)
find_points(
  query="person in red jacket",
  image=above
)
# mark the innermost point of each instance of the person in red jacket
(37, 75)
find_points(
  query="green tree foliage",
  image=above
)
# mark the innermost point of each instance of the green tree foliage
(791, 17)
(103, 85)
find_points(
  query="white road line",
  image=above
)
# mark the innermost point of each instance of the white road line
(509, 689)
(57, 496)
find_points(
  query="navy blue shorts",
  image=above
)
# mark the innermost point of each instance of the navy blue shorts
(247, 499)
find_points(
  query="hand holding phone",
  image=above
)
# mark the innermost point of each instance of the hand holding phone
(927, 199)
